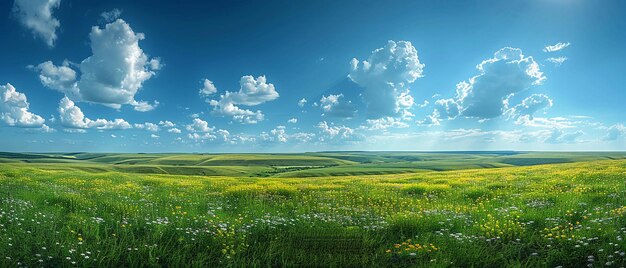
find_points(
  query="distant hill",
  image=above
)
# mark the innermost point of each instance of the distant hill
(314, 164)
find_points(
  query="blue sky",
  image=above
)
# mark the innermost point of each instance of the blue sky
(230, 76)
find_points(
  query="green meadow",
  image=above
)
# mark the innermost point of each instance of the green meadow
(325, 209)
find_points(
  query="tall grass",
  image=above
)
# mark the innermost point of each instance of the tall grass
(570, 215)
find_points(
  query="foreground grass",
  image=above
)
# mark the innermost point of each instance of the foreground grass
(568, 215)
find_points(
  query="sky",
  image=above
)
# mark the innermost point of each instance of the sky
(298, 76)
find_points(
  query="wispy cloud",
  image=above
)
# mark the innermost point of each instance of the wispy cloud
(558, 61)
(556, 47)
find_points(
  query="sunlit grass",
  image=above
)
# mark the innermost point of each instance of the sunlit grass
(570, 215)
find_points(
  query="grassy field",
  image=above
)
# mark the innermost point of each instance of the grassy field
(319, 209)
(296, 165)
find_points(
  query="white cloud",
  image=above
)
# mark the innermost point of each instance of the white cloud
(447, 108)
(207, 89)
(463, 134)
(385, 123)
(293, 120)
(486, 95)
(174, 130)
(385, 76)
(508, 72)
(530, 106)
(333, 105)
(251, 92)
(279, 133)
(61, 78)
(46, 129)
(112, 15)
(558, 136)
(615, 132)
(424, 104)
(341, 133)
(302, 137)
(199, 125)
(302, 102)
(154, 136)
(166, 124)
(148, 126)
(144, 106)
(74, 130)
(540, 122)
(433, 119)
(156, 64)
(201, 136)
(71, 116)
(14, 109)
(405, 100)
(558, 61)
(36, 15)
(112, 76)
(556, 47)
(224, 134)
(242, 139)
(241, 115)
(117, 123)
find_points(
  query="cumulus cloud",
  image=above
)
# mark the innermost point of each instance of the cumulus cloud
(148, 126)
(224, 134)
(241, 115)
(486, 95)
(302, 102)
(279, 133)
(144, 106)
(201, 136)
(302, 137)
(199, 125)
(208, 88)
(615, 132)
(424, 104)
(447, 108)
(174, 130)
(559, 136)
(72, 117)
(405, 100)
(530, 106)
(112, 15)
(331, 132)
(251, 92)
(508, 72)
(335, 105)
(166, 123)
(154, 136)
(558, 61)
(385, 123)
(293, 120)
(61, 78)
(242, 139)
(385, 77)
(112, 76)
(36, 15)
(556, 47)
(14, 110)
(433, 119)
